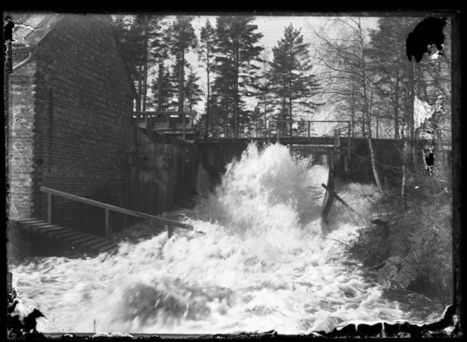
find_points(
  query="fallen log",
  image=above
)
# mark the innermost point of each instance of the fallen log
(334, 194)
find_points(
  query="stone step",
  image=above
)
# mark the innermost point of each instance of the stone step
(69, 236)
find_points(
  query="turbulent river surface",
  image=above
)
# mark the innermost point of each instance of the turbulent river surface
(257, 260)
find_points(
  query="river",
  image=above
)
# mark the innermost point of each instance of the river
(257, 260)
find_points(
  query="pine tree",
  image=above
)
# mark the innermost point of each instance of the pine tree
(180, 38)
(154, 49)
(290, 77)
(130, 42)
(265, 105)
(141, 45)
(205, 52)
(168, 91)
(235, 55)
(192, 90)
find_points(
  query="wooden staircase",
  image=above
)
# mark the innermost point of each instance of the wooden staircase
(85, 240)
(70, 236)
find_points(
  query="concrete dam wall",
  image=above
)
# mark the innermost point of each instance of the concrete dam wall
(162, 172)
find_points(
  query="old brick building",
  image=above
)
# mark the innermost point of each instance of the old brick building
(70, 104)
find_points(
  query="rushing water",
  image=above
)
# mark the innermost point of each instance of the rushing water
(256, 261)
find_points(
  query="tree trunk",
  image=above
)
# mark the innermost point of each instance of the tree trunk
(140, 89)
(373, 166)
(404, 175)
(144, 89)
(181, 90)
(396, 110)
(236, 92)
(145, 75)
(159, 88)
(410, 112)
(377, 124)
(290, 103)
(180, 85)
(138, 103)
(208, 105)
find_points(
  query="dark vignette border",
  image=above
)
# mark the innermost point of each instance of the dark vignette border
(454, 316)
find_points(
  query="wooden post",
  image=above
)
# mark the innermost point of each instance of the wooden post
(335, 158)
(108, 224)
(348, 145)
(49, 208)
(329, 196)
(309, 125)
(183, 123)
(169, 231)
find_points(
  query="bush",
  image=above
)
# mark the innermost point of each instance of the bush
(414, 251)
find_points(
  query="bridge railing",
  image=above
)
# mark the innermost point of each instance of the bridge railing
(166, 122)
(108, 208)
(306, 128)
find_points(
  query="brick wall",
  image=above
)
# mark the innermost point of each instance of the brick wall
(82, 106)
(22, 140)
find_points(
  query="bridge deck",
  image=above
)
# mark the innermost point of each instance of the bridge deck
(284, 140)
(323, 140)
(69, 236)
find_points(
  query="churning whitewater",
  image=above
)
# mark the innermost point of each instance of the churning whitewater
(256, 261)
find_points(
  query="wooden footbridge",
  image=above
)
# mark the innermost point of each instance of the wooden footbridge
(337, 146)
(347, 156)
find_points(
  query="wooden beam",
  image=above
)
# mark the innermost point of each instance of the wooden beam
(108, 224)
(49, 207)
(329, 196)
(334, 194)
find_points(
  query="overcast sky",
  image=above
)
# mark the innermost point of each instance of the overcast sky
(272, 28)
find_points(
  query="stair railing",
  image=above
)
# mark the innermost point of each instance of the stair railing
(108, 208)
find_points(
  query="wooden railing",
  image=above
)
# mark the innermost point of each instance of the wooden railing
(309, 124)
(108, 208)
(337, 131)
(150, 116)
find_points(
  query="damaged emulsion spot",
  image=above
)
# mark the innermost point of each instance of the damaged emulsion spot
(427, 33)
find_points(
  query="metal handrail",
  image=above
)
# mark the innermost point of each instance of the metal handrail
(107, 207)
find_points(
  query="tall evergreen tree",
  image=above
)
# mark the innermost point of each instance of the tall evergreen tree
(130, 42)
(236, 51)
(265, 106)
(168, 91)
(205, 52)
(140, 40)
(154, 49)
(290, 77)
(192, 90)
(180, 38)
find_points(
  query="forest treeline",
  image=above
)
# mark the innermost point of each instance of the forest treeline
(364, 74)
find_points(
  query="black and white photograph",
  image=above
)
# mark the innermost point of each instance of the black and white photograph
(231, 174)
